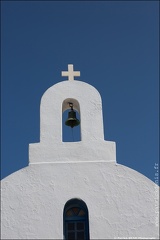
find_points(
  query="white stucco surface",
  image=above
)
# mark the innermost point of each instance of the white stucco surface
(87, 101)
(120, 201)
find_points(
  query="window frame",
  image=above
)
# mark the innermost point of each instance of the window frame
(76, 203)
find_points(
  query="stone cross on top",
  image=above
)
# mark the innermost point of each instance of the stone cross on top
(70, 73)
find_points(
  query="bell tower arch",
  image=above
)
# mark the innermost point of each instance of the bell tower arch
(87, 101)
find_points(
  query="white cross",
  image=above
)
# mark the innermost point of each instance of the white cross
(71, 74)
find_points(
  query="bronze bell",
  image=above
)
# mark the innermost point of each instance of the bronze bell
(72, 121)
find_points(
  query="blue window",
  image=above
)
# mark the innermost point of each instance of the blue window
(76, 224)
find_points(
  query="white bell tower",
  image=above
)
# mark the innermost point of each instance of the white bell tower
(87, 101)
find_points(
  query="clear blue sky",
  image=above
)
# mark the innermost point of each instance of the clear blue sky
(115, 46)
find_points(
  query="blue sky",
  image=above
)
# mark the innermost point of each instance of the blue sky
(114, 44)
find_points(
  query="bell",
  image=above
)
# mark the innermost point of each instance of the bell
(72, 121)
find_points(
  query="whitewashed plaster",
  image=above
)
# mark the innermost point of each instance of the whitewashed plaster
(87, 101)
(120, 201)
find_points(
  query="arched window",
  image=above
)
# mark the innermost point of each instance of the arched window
(76, 223)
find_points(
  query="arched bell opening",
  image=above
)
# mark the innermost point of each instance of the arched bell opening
(71, 130)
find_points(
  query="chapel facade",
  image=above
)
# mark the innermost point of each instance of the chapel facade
(76, 190)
